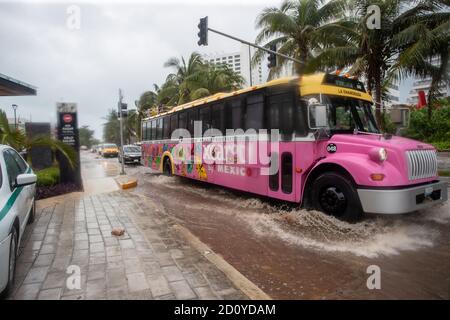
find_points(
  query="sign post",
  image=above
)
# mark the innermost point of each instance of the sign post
(122, 169)
(67, 131)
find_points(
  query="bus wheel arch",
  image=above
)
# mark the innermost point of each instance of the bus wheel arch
(167, 165)
(341, 184)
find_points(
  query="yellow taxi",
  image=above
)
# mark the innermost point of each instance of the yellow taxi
(109, 150)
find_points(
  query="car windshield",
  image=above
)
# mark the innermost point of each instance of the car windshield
(347, 114)
(132, 149)
(109, 145)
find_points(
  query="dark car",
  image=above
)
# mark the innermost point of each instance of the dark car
(131, 154)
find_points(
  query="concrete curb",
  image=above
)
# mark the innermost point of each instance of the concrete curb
(125, 182)
(250, 289)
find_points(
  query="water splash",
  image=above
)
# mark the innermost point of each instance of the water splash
(376, 235)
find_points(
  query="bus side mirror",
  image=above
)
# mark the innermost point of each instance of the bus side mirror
(317, 116)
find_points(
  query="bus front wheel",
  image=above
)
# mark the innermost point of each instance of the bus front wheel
(334, 194)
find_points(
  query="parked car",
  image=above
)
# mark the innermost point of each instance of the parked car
(130, 154)
(109, 150)
(17, 207)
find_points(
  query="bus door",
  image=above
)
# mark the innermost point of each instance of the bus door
(280, 115)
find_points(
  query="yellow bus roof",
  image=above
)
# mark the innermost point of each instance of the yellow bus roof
(309, 84)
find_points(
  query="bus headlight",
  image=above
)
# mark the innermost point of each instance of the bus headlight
(382, 154)
(378, 154)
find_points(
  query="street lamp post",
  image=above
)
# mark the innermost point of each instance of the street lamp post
(14, 106)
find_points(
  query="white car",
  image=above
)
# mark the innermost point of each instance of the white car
(17, 191)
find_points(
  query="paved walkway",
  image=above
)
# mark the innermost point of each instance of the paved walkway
(150, 261)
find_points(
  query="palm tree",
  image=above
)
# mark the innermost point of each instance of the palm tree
(147, 101)
(196, 79)
(182, 77)
(111, 128)
(424, 37)
(16, 139)
(213, 79)
(378, 54)
(299, 28)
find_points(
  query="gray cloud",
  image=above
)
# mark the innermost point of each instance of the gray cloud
(118, 45)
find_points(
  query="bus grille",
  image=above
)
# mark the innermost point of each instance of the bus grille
(421, 164)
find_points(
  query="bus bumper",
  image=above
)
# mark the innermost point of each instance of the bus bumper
(397, 201)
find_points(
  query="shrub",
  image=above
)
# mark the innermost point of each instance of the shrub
(435, 130)
(47, 177)
(441, 145)
(387, 125)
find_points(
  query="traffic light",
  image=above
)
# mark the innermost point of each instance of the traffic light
(122, 109)
(272, 57)
(203, 32)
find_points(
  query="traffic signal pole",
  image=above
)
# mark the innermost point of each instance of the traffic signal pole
(122, 167)
(256, 46)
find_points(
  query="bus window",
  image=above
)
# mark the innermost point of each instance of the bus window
(286, 172)
(254, 118)
(153, 130)
(280, 110)
(166, 124)
(182, 120)
(143, 131)
(236, 114)
(273, 178)
(173, 123)
(159, 129)
(218, 117)
(192, 117)
(149, 130)
(301, 116)
(205, 118)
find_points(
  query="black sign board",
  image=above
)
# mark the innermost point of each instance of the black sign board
(338, 81)
(67, 129)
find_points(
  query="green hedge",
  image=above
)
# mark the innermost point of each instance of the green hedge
(47, 177)
(435, 130)
(441, 145)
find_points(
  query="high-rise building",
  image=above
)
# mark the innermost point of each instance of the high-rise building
(393, 95)
(239, 61)
(423, 84)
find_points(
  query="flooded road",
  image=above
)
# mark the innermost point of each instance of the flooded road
(292, 253)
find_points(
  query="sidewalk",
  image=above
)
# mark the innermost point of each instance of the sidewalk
(150, 261)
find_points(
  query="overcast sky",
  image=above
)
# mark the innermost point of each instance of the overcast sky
(119, 45)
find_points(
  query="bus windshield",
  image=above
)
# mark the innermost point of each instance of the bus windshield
(347, 114)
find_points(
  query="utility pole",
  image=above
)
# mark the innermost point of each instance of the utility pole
(122, 168)
(14, 106)
(250, 64)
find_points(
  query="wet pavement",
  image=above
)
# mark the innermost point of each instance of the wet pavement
(98, 173)
(292, 253)
(69, 252)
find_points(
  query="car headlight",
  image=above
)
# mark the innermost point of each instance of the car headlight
(382, 154)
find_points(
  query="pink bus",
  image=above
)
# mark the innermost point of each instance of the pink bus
(327, 154)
